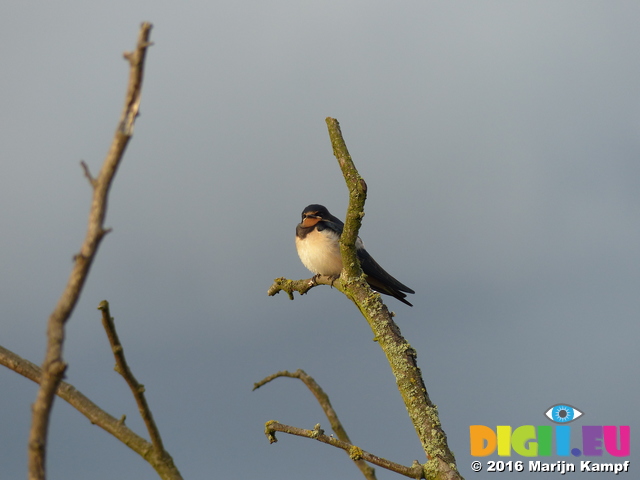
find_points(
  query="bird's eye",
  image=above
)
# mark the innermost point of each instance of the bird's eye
(562, 413)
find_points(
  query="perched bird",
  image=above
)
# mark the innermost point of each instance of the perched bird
(317, 242)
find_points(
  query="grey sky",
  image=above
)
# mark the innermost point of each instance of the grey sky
(500, 143)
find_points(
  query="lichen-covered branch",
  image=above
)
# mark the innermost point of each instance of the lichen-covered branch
(357, 196)
(401, 356)
(53, 366)
(355, 453)
(302, 286)
(327, 408)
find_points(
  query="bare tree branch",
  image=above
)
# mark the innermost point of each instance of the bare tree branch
(94, 413)
(136, 388)
(327, 408)
(53, 366)
(355, 453)
(76, 399)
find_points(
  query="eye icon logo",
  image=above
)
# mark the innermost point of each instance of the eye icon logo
(563, 413)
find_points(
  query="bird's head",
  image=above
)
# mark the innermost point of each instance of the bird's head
(313, 214)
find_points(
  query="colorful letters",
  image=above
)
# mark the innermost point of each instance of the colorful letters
(531, 441)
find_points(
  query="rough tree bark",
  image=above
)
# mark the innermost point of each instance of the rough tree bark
(401, 356)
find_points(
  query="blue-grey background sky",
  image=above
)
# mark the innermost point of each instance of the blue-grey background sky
(500, 142)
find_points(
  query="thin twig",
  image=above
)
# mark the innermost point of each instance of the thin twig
(53, 366)
(87, 173)
(136, 388)
(327, 408)
(355, 453)
(301, 286)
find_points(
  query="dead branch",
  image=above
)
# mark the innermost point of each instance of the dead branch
(355, 453)
(94, 413)
(327, 408)
(136, 388)
(76, 399)
(53, 366)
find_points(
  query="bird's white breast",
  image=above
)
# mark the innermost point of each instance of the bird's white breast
(320, 252)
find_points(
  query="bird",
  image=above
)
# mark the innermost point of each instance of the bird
(317, 243)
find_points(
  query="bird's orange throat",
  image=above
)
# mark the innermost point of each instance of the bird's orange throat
(310, 221)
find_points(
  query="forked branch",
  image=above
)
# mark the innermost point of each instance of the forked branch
(327, 408)
(116, 427)
(76, 399)
(400, 355)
